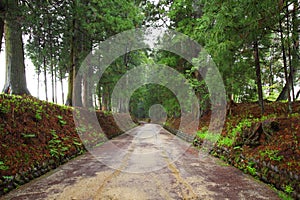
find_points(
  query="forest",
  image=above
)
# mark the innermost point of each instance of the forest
(253, 44)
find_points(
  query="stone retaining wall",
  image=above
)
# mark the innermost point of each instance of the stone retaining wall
(8, 183)
(265, 171)
(180, 134)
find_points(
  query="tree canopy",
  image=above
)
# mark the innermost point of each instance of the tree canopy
(255, 45)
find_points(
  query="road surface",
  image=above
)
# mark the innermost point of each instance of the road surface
(145, 163)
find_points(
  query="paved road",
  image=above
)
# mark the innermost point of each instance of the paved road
(146, 163)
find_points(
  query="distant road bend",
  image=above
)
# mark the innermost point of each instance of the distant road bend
(147, 162)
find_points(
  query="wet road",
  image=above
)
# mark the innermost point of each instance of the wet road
(145, 163)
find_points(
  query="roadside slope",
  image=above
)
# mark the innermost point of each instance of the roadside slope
(264, 146)
(37, 136)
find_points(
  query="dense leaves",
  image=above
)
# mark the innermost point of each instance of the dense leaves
(255, 45)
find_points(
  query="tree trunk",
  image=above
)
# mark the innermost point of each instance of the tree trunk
(38, 85)
(284, 92)
(62, 86)
(55, 85)
(39, 70)
(1, 32)
(295, 39)
(291, 83)
(86, 47)
(200, 93)
(72, 72)
(298, 94)
(45, 77)
(15, 80)
(70, 87)
(105, 98)
(95, 101)
(52, 79)
(2, 10)
(286, 74)
(271, 76)
(258, 76)
(87, 95)
(100, 102)
(99, 94)
(74, 97)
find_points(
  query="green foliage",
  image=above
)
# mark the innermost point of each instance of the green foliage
(150, 94)
(266, 117)
(28, 135)
(167, 124)
(294, 115)
(225, 141)
(284, 196)
(99, 144)
(204, 134)
(38, 116)
(3, 109)
(56, 146)
(39, 110)
(81, 129)
(107, 113)
(227, 29)
(233, 132)
(8, 177)
(288, 189)
(77, 143)
(3, 166)
(61, 121)
(251, 169)
(271, 154)
(245, 123)
(223, 158)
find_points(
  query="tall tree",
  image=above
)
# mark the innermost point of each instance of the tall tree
(292, 22)
(15, 80)
(258, 76)
(2, 16)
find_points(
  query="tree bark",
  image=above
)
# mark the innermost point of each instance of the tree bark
(55, 85)
(291, 83)
(258, 76)
(70, 87)
(15, 80)
(298, 94)
(295, 40)
(1, 32)
(286, 74)
(99, 95)
(284, 92)
(2, 10)
(87, 95)
(295, 60)
(61, 85)
(45, 76)
(104, 98)
(74, 97)
(52, 77)
(86, 47)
